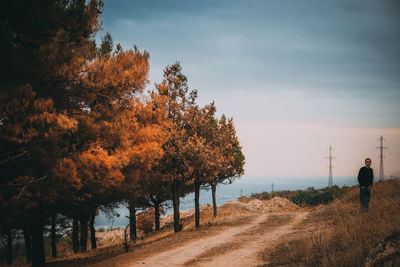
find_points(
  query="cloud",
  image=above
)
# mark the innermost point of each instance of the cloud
(296, 76)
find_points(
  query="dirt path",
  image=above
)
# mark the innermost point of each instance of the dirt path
(237, 246)
(251, 244)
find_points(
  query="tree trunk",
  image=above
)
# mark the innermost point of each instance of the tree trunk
(157, 215)
(75, 237)
(53, 236)
(84, 233)
(197, 203)
(175, 202)
(126, 244)
(28, 246)
(93, 230)
(9, 247)
(156, 204)
(38, 256)
(214, 198)
(132, 221)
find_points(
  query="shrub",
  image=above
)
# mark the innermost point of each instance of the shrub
(145, 221)
(309, 197)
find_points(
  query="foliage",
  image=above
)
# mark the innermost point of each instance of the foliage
(308, 197)
(78, 132)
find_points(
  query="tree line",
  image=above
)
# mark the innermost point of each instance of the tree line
(79, 131)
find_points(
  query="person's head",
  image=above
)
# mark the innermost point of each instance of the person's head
(368, 162)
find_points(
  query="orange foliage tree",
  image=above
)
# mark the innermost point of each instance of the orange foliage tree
(77, 132)
(202, 158)
(179, 100)
(231, 156)
(120, 133)
(38, 39)
(71, 116)
(152, 119)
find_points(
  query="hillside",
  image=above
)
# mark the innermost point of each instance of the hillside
(276, 232)
(273, 232)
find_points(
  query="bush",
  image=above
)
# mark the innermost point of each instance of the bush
(313, 198)
(145, 221)
(309, 197)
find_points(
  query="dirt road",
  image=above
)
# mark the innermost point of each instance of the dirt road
(236, 246)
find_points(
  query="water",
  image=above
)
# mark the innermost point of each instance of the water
(230, 192)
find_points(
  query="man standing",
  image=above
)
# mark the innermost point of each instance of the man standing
(365, 179)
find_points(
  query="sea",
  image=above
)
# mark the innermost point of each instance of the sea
(244, 186)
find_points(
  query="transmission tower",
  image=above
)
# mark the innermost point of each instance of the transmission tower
(330, 157)
(381, 148)
(272, 187)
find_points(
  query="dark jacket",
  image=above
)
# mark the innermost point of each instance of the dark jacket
(365, 176)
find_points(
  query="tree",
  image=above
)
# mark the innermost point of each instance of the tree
(152, 121)
(65, 107)
(175, 89)
(202, 157)
(233, 159)
(37, 40)
(121, 131)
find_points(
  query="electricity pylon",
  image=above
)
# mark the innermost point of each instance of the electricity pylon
(381, 148)
(330, 157)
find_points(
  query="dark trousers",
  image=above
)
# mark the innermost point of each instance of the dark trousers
(365, 195)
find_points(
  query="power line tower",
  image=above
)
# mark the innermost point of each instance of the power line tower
(330, 157)
(381, 148)
(272, 187)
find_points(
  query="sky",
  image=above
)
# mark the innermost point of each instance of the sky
(296, 76)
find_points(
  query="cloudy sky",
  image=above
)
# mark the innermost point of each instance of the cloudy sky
(296, 76)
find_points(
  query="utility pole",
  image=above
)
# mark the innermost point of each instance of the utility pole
(381, 148)
(272, 188)
(330, 181)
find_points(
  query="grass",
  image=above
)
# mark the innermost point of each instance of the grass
(339, 234)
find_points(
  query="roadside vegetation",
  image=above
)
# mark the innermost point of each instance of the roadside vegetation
(308, 197)
(339, 234)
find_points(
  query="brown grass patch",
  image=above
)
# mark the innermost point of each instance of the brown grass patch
(339, 234)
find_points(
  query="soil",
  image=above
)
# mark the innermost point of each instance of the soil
(230, 241)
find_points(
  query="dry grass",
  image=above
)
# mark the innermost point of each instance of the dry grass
(339, 235)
